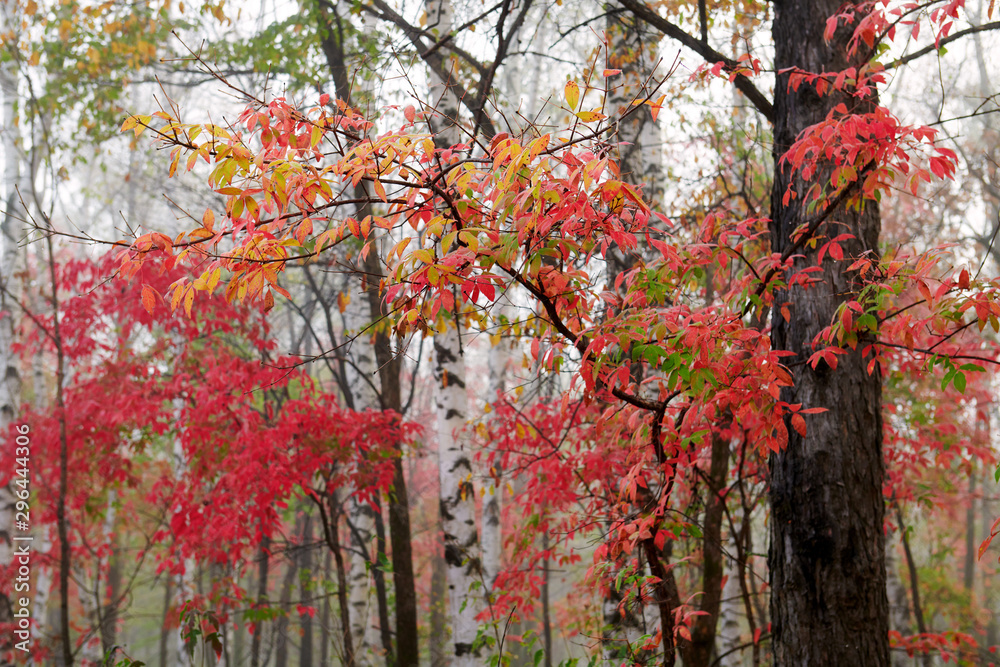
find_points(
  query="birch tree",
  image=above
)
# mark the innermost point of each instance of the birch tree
(11, 232)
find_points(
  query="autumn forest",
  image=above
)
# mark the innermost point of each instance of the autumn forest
(507, 333)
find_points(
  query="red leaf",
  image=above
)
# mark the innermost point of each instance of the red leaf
(963, 279)
(799, 424)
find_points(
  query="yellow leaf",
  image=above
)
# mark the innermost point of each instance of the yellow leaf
(470, 239)
(175, 300)
(213, 279)
(379, 190)
(447, 240)
(208, 219)
(590, 116)
(30, 8)
(572, 93)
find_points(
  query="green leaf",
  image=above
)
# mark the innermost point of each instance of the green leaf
(383, 564)
(947, 378)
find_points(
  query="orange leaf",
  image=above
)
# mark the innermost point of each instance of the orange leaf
(303, 230)
(379, 190)
(148, 298)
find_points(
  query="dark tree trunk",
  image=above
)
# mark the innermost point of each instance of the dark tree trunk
(308, 594)
(62, 522)
(109, 618)
(281, 635)
(168, 596)
(698, 653)
(333, 540)
(439, 606)
(325, 639)
(546, 615)
(407, 641)
(969, 573)
(262, 574)
(827, 556)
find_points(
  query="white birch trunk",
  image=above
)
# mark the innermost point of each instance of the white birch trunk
(458, 499)
(10, 230)
(731, 609)
(183, 585)
(632, 48)
(43, 585)
(458, 496)
(442, 97)
(360, 371)
(360, 353)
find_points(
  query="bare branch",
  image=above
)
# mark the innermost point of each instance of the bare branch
(743, 84)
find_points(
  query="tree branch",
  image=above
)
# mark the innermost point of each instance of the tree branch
(995, 25)
(436, 61)
(743, 84)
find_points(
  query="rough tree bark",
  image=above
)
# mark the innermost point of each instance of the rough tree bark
(283, 622)
(827, 554)
(307, 593)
